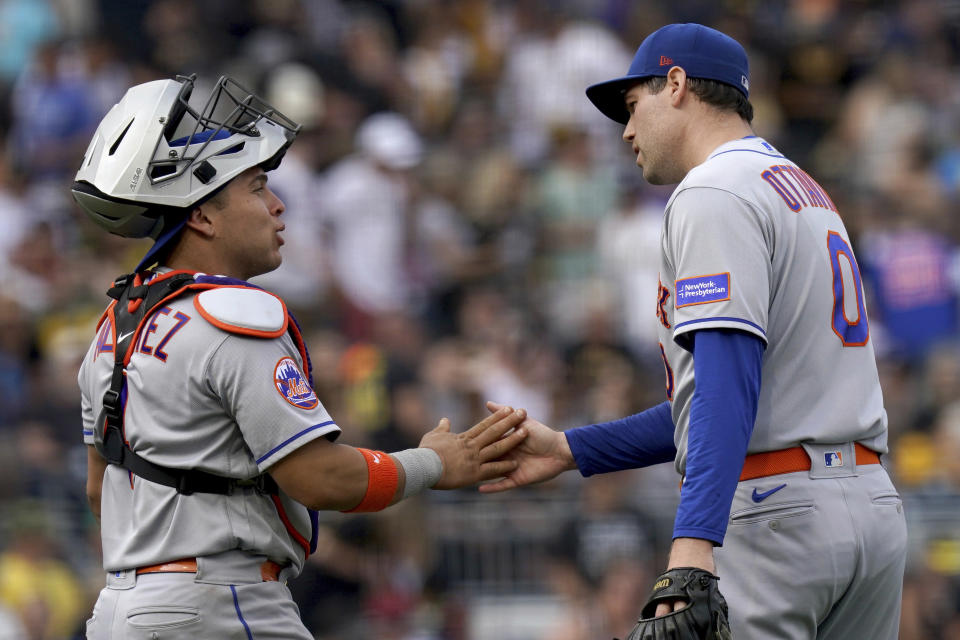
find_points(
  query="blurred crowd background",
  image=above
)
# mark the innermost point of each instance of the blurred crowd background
(462, 225)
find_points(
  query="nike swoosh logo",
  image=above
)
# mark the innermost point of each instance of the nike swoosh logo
(124, 336)
(760, 497)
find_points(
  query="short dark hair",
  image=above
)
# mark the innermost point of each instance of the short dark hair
(717, 94)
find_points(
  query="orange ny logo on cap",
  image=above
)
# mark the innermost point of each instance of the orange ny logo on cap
(664, 61)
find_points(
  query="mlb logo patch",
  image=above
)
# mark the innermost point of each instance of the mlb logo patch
(833, 459)
(293, 385)
(703, 289)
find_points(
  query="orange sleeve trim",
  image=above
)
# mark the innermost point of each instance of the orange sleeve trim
(382, 481)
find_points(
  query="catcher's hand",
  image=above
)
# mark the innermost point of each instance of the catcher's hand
(703, 618)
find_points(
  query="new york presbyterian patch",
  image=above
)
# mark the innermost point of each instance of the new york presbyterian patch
(293, 385)
(703, 289)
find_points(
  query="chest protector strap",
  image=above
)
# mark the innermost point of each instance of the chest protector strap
(134, 302)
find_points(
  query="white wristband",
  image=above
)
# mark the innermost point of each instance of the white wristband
(422, 467)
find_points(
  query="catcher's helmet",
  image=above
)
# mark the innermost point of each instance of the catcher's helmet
(154, 156)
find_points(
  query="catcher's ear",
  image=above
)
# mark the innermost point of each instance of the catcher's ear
(201, 221)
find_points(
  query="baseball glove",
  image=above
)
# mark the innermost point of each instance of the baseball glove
(703, 618)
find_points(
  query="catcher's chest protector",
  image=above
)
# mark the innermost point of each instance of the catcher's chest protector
(135, 300)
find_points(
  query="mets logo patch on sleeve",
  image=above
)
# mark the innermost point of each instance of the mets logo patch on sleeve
(293, 385)
(703, 289)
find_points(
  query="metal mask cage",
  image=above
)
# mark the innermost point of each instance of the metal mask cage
(241, 109)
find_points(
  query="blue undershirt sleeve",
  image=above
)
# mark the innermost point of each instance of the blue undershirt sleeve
(726, 364)
(639, 440)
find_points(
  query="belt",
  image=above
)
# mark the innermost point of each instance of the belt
(771, 463)
(269, 570)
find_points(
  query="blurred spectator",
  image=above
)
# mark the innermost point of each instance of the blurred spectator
(494, 199)
(297, 92)
(447, 385)
(929, 606)
(608, 610)
(504, 357)
(16, 346)
(573, 194)
(14, 211)
(881, 118)
(104, 74)
(57, 490)
(24, 24)
(366, 394)
(329, 589)
(939, 386)
(273, 33)
(366, 204)
(946, 441)
(605, 529)
(372, 58)
(608, 545)
(34, 582)
(603, 377)
(435, 65)
(52, 118)
(912, 274)
(32, 271)
(179, 39)
(444, 255)
(536, 97)
(627, 250)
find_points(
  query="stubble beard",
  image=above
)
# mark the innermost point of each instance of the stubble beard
(660, 169)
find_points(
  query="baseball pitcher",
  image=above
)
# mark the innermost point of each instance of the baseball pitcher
(774, 416)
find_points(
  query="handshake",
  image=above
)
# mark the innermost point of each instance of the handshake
(507, 445)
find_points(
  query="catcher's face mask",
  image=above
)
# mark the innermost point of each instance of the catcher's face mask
(155, 155)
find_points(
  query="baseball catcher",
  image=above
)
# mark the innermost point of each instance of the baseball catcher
(209, 452)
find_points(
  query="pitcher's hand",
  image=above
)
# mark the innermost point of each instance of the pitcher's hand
(479, 453)
(543, 455)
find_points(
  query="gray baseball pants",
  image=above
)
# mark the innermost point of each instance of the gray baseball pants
(225, 599)
(823, 557)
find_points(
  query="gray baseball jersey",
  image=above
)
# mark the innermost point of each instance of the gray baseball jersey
(214, 384)
(751, 242)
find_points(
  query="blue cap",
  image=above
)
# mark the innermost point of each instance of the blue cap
(700, 51)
